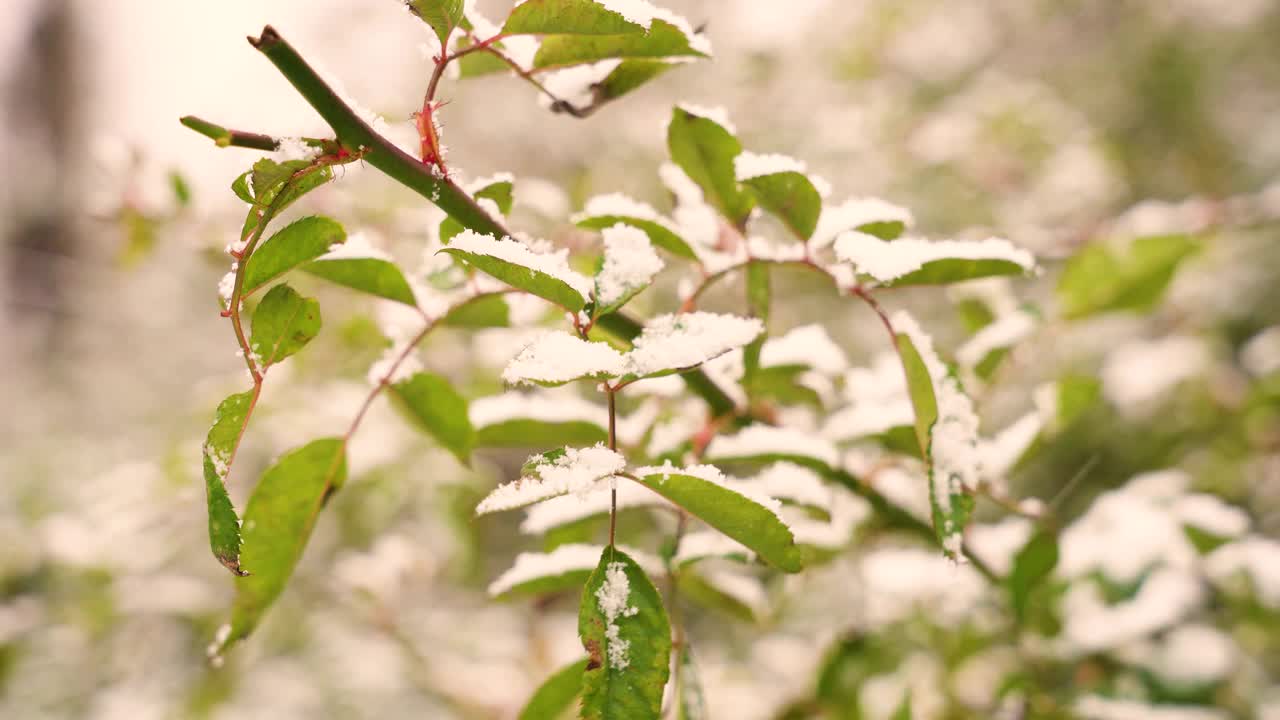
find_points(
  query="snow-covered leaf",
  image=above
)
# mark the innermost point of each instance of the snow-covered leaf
(625, 632)
(283, 323)
(557, 357)
(498, 190)
(560, 511)
(558, 472)
(913, 261)
(573, 17)
(752, 520)
(554, 696)
(277, 524)
(604, 211)
(781, 186)
(219, 449)
(669, 36)
(869, 215)
(628, 267)
(702, 144)
(534, 573)
(298, 242)
(1098, 279)
(671, 343)
(546, 275)
(435, 407)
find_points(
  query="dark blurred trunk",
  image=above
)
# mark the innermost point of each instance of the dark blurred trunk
(40, 227)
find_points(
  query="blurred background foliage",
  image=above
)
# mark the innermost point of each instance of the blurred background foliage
(1062, 126)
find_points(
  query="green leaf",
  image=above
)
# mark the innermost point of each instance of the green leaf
(478, 63)
(539, 433)
(701, 591)
(690, 704)
(663, 40)
(277, 524)
(367, 274)
(436, 408)
(219, 450)
(920, 388)
(1031, 566)
(1097, 279)
(628, 653)
(181, 189)
(483, 311)
(1076, 394)
(757, 306)
(705, 151)
(240, 186)
(442, 15)
(904, 709)
(791, 197)
(282, 324)
(884, 229)
(553, 698)
(269, 176)
(660, 235)
(954, 270)
(534, 282)
(629, 75)
(279, 185)
(567, 17)
(781, 384)
(298, 242)
(741, 518)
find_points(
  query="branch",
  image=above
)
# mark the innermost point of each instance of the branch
(355, 133)
(225, 137)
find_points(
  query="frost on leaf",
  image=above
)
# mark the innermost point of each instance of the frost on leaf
(571, 470)
(676, 342)
(613, 598)
(911, 260)
(629, 266)
(545, 274)
(867, 214)
(558, 357)
(751, 165)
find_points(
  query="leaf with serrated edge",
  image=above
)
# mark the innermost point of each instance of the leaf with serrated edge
(283, 323)
(567, 17)
(625, 632)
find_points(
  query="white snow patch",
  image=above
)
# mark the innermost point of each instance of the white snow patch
(1091, 625)
(613, 598)
(749, 165)
(1212, 515)
(854, 213)
(629, 264)
(1256, 557)
(358, 246)
(765, 440)
(686, 340)
(709, 543)
(1261, 354)
(554, 264)
(1004, 332)
(557, 357)
(1138, 373)
(543, 407)
(805, 345)
(595, 501)
(576, 471)
(717, 115)
(1097, 707)
(889, 260)
(1193, 655)
(618, 205)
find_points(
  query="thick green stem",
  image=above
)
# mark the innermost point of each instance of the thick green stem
(354, 133)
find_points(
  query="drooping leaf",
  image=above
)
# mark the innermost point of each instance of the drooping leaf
(219, 449)
(277, 524)
(663, 40)
(283, 323)
(437, 408)
(534, 282)
(441, 15)
(954, 270)
(1098, 279)
(920, 389)
(791, 197)
(556, 694)
(1033, 563)
(732, 513)
(567, 17)
(371, 275)
(660, 235)
(629, 75)
(690, 704)
(298, 242)
(625, 632)
(705, 150)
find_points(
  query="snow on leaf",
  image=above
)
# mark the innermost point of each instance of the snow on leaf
(546, 275)
(557, 357)
(764, 443)
(805, 345)
(576, 506)
(917, 261)
(604, 211)
(749, 165)
(670, 343)
(629, 266)
(867, 214)
(573, 470)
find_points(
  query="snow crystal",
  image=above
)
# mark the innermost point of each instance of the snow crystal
(1004, 332)
(597, 500)
(543, 407)
(854, 213)
(1138, 373)
(554, 264)
(293, 148)
(717, 115)
(613, 598)
(357, 246)
(888, 260)
(1257, 557)
(674, 342)
(748, 165)
(226, 286)
(805, 345)
(576, 471)
(629, 263)
(557, 357)
(765, 440)
(533, 565)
